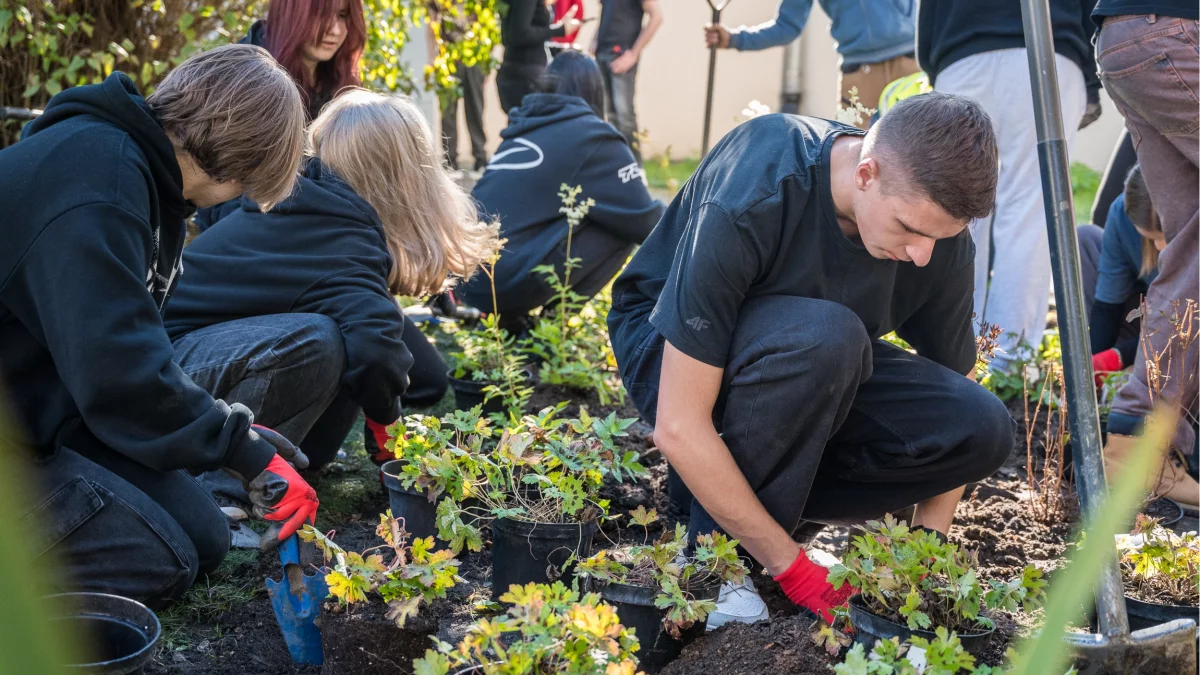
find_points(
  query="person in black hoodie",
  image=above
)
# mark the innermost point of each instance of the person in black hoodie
(93, 201)
(559, 136)
(524, 30)
(375, 215)
(976, 48)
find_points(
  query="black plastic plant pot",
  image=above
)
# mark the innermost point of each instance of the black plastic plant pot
(524, 552)
(117, 635)
(414, 507)
(870, 627)
(635, 607)
(469, 393)
(1147, 614)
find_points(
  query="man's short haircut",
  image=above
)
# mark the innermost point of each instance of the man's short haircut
(239, 115)
(945, 149)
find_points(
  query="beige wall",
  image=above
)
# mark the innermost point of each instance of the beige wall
(673, 71)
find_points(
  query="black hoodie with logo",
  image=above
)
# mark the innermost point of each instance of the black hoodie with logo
(551, 140)
(92, 210)
(321, 251)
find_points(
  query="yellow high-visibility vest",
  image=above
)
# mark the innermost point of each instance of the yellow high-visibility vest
(898, 90)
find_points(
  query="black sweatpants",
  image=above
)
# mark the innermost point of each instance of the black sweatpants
(828, 425)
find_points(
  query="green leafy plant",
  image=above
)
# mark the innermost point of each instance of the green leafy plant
(914, 578)
(1160, 566)
(571, 341)
(665, 564)
(548, 630)
(49, 45)
(943, 655)
(415, 574)
(437, 454)
(544, 469)
(489, 354)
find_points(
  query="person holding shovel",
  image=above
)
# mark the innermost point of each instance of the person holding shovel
(874, 39)
(94, 198)
(747, 332)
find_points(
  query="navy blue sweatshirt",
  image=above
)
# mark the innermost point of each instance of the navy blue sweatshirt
(550, 140)
(951, 30)
(92, 209)
(319, 252)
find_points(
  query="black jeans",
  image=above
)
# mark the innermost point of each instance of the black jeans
(471, 80)
(620, 90)
(111, 525)
(828, 425)
(601, 256)
(514, 81)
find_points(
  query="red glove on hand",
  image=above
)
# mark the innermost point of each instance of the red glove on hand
(280, 495)
(804, 583)
(376, 440)
(1107, 361)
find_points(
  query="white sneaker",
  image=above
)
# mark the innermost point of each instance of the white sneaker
(738, 602)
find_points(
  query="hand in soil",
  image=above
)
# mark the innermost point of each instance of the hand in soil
(805, 584)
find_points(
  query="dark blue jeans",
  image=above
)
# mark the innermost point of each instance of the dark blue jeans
(830, 426)
(111, 525)
(286, 368)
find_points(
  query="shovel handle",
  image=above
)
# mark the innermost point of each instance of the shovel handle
(289, 551)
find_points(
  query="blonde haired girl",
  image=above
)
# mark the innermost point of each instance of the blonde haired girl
(293, 313)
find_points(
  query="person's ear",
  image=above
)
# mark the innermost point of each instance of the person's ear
(865, 173)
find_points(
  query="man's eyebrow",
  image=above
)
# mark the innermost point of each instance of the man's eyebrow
(914, 230)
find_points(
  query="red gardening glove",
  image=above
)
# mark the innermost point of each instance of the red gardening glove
(375, 438)
(804, 583)
(280, 495)
(1107, 361)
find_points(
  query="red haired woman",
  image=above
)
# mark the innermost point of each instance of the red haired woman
(320, 42)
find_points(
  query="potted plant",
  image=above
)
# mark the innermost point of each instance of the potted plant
(571, 344)
(941, 655)
(910, 581)
(547, 630)
(416, 572)
(434, 456)
(488, 370)
(540, 490)
(1161, 573)
(662, 592)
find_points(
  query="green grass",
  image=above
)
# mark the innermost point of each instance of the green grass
(235, 582)
(1084, 183)
(679, 170)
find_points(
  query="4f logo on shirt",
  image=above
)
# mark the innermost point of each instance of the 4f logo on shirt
(697, 323)
(628, 173)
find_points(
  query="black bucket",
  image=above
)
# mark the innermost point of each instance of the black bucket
(524, 552)
(414, 507)
(635, 607)
(1166, 511)
(117, 634)
(870, 628)
(1147, 614)
(469, 393)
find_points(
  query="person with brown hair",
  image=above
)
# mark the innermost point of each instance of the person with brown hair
(747, 330)
(94, 198)
(376, 215)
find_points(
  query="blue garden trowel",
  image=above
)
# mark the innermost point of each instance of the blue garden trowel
(296, 599)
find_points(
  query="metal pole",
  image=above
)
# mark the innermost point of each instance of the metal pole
(1068, 289)
(712, 73)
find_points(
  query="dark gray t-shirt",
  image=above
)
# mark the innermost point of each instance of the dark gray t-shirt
(620, 26)
(757, 219)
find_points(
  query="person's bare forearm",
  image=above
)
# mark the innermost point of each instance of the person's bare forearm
(705, 465)
(651, 27)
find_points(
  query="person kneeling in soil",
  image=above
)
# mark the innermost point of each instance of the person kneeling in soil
(94, 198)
(747, 332)
(559, 136)
(292, 312)
(1117, 264)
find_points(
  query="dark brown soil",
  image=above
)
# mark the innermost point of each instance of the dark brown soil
(996, 525)
(783, 645)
